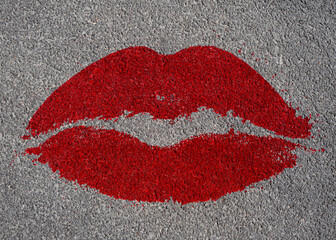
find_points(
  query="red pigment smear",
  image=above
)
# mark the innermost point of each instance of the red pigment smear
(133, 78)
(198, 169)
(25, 137)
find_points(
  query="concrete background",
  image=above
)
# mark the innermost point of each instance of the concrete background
(44, 43)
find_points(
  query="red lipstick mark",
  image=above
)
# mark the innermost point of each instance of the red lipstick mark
(196, 169)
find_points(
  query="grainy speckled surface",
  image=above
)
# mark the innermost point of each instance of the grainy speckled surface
(44, 43)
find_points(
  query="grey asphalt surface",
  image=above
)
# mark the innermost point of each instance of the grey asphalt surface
(44, 43)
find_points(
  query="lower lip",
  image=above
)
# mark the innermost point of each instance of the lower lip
(121, 166)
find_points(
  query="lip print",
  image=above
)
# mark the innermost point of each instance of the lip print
(140, 80)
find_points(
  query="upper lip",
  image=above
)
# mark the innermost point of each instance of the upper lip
(170, 91)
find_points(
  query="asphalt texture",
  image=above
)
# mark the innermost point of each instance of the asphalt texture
(44, 43)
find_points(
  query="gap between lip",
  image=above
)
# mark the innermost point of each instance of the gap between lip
(161, 127)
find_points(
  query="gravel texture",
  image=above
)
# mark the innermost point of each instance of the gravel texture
(44, 43)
